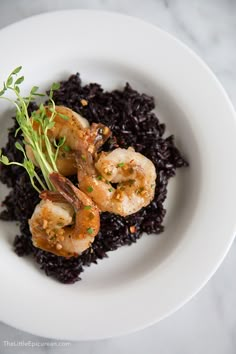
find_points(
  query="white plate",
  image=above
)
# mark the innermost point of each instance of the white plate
(138, 285)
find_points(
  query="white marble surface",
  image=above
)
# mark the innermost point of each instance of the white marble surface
(208, 323)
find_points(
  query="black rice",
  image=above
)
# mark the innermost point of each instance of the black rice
(130, 116)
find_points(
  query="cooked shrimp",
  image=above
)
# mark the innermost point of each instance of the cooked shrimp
(64, 223)
(133, 174)
(71, 130)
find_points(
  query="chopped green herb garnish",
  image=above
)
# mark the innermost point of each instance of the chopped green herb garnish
(90, 230)
(131, 182)
(53, 238)
(110, 189)
(131, 170)
(121, 164)
(87, 207)
(83, 157)
(89, 189)
(99, 178)
(140, 190)
(66, 148)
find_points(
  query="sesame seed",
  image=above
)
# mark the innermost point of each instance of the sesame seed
(91, 149)
(45, 224)
(118, 196)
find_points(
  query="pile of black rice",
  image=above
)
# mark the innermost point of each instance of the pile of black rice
(130, 116)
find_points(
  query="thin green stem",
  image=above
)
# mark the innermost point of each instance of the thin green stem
(33, 184)
(40, 181)
(11, 101)
(50, 153)
(31, 178)
(56, 153)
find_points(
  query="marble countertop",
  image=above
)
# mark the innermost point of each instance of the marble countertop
(208, 323)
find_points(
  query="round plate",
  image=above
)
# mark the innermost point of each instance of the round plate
(138, 285)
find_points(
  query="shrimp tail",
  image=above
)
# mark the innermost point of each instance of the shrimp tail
(69, 192)
(66, 189)
(52, 196)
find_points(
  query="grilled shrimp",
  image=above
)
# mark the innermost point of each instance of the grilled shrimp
(71, 130)
(64, 222)
(133, 174)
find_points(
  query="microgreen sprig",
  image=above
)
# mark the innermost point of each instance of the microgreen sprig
(45, 153)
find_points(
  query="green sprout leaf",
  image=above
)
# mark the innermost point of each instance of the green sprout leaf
(19, 147)
(9, 81)
(34, 90)
(5, 160)
(20, 80)
(17, 89)
(2, 92)
(29, 167)
(16, 70)
(50, 125)
(55, 86)
(41, 109)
